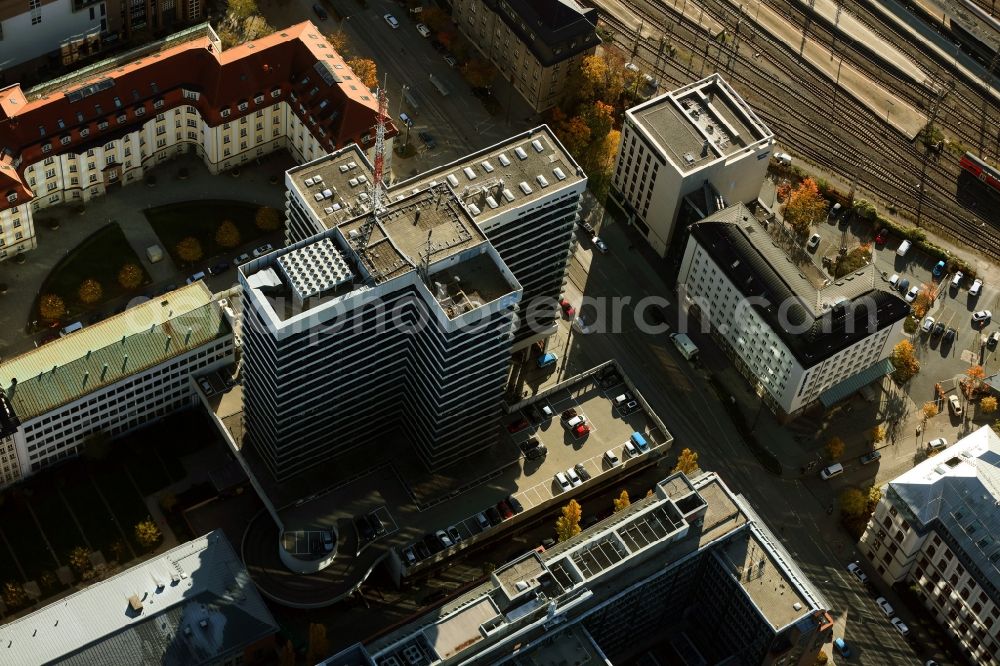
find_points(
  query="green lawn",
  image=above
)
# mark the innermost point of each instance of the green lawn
(89, 510)
(200, 219)
(26, 540)
(59, 527)
(99, 257)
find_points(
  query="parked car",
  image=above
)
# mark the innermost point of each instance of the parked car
(411, 557)
(567, 308)
(451, 61)
(482, 520)
(894, 280)
(376, 524)
(813, 242)
(882, 237)
(870, 457)
(949, 335)
(991, 342)
(903, 285)
(427, 139)
(601, 246)
(445, 540)
(242, 259)
(855, 569)
(937, 330)
(612, 458)
(574, 478)
(536, 453)
(955, 405)
(423, 551)
(911, 295)
(423, 30)
(518, 425)
(937, 444)
(200, 275)
(562, 481)
(568, 414)
(630, 450)
(841, 647)
(938, 269)
(981, 316)
(956, 280)
(515, 504)
(532, 443)
(977, 285)
(582, 471)
(219, 268)
(327, 541)
(505, 509)
(406, 119)
(206, 387)
(928, 324)
(886, 607)
(263, 249)
(454, 534)
(900, 626)
(391, 20)
(546, 411)
(581, 430)
(494, 516)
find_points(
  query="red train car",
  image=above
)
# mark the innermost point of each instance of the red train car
(981, 170)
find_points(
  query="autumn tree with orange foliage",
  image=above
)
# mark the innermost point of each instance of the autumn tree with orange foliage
(805, 206)
(365, 70)
(905, 361)
(922, 303)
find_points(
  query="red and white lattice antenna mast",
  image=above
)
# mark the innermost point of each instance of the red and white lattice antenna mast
(377, 188)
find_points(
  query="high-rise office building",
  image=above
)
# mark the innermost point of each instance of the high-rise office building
(342, 345)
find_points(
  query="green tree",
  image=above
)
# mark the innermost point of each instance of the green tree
(600, 118)
(130, 276)
(90, 291)
(687, 462)
(852, 502)
(573, 132)
(227, 235)
(189, 250)
(147, 534)
(318, 644)
(805, 206)
(622, 501)
(874, 496)
(268, 219)
(568, 524)
(905, 361)
(834, 448)
(51, 307)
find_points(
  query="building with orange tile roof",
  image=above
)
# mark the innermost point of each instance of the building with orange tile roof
(73, 138)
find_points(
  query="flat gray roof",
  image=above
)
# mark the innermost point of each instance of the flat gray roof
(700, 123)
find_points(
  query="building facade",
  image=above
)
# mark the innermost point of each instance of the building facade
(111, 377)
(68, 29)
(791, 331)
(524, 193)
(76, 138)
(937, 530)
(534, 45)
(344, 341)
(193, 604)
(702, 139)
(690, 568)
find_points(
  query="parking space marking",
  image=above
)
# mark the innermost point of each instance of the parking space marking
(303, 539)
(384, 517)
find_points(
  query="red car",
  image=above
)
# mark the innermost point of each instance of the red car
(518, 425)
(567, 309)
(882, 237)
(581, 430)
(504, 508)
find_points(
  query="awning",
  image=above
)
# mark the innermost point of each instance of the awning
(849, 386)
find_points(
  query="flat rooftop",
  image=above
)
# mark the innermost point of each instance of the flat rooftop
(335, 186)
(700, 123)
(103, 353)
(572, 645)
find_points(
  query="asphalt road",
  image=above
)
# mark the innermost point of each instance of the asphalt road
(794, 509)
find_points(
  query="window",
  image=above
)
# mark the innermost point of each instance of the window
(85, 132)
(64, 140)
(225, 113)
(46, 147)
(103, 125)
(140, 110)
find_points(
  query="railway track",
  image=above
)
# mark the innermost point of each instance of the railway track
(789, 95)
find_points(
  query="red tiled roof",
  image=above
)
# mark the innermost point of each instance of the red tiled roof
(344, 109)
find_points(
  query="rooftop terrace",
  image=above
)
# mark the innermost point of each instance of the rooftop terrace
(700, 123)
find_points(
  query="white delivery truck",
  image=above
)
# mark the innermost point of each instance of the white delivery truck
(688, 349)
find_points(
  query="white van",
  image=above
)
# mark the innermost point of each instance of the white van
(903, 248)
(829, 472)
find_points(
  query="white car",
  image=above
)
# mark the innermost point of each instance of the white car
(813, 242)
(957, 280)
(783, 158)
(423, 30)
(632, 67)
(444, 538)
(262, 250)
(982, 315)
(599, 244)
(911, 295)
(977, 285)
(562, 481)
(900, 626)
(391, 20)
(574, 478)
(928, 324)
(612, 458)
(630, 450)
(580, 326)
(858, 573)
(206, 386)
(885, 606)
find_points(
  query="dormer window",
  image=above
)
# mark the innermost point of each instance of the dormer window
(12, 197)
(121, 119)
(61, 123)
(46, 147)
(79, 116)
(243, 106)
(276, 93)
(41, 130)
(64, 140)
(118, 102)
(140, 110)
(259, 99)
(85, 132)
(158, 104)
(225, 113)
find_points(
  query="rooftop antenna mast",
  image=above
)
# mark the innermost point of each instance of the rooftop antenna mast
(377, 188)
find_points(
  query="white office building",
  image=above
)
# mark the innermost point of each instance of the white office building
(524, 193)
(795, 334)
(689, 570)
(344, 342)
(111, 377)
(937, 529)
(701, 143)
